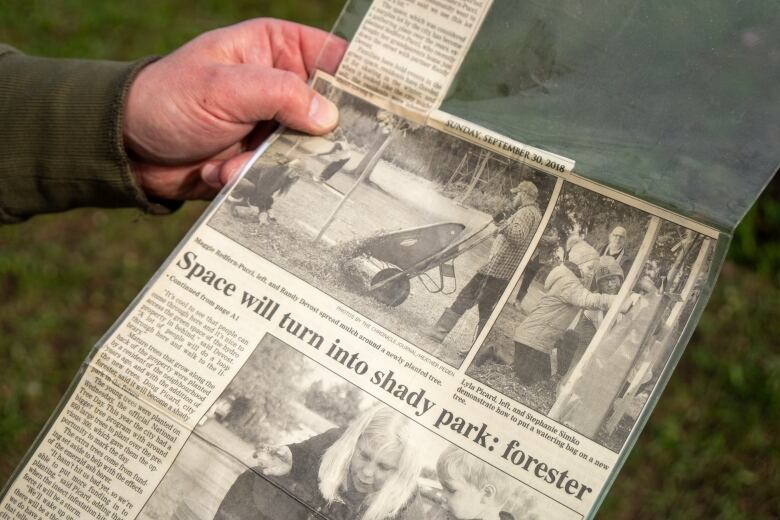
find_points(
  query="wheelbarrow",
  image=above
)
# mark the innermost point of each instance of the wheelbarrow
(384, 265)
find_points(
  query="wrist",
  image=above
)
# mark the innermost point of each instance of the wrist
(136, 103)
(81, 103)
(131, 108)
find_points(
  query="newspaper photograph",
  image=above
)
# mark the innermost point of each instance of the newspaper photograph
(290, 439)
(412, 227)
(550, 347)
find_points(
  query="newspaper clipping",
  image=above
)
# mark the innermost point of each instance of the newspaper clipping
(411, 317)
(408, 51)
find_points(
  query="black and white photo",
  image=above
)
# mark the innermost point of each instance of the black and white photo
(418, 230)
(553, 349)
(299, 442)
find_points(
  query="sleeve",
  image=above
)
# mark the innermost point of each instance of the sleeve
(307, 454)
(576, 294)
(61, 143)
(520, 226)
(239, 498)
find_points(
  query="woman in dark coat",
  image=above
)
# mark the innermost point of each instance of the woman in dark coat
(367, 471)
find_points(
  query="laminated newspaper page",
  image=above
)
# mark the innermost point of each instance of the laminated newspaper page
(411, 317)
(399, 319)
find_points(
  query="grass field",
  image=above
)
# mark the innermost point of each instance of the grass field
(709, 450)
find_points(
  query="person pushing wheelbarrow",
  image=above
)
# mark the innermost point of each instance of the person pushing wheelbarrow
(485, 288)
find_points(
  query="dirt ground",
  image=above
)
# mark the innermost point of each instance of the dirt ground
(393, 200)
(498, 373)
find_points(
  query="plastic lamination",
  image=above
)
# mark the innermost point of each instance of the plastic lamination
(675, 103)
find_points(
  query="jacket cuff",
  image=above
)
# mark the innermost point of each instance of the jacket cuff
(61, 143)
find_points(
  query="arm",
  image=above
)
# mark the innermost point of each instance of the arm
(60, 142)
(576, 294)
(95, 133)
(333, 152)
(239, 499)
(294, 459)
(307, 454)
(520, 226)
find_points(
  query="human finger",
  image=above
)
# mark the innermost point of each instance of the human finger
(183, 182)
(250, 93)
(321, 52)
(219, 173)
(288, 46)
(259, 134)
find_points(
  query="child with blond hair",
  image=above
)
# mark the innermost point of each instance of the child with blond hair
(473, 490)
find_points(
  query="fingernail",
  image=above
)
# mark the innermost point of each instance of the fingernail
(210, 175)
(323, 112)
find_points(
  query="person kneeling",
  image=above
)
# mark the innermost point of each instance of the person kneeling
(566, 294)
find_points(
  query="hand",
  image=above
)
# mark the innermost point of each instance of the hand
(190, 116)
(629, 303)
(500, 216)
(645, 285)
(273, 460)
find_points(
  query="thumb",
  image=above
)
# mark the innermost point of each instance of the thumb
(250, 93)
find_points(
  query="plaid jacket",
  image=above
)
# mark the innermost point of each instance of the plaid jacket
(512, 241)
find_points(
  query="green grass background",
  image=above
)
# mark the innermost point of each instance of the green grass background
(709, 450)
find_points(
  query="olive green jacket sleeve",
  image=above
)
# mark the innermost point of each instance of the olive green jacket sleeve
(60, 136)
